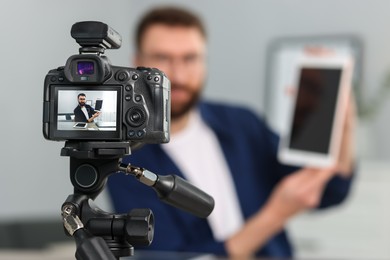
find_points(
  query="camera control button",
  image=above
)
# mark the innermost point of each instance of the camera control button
(156, 79)
(136, 116)
(140, 133)
(135, 77)
(128, 97)
(131, 133)
(53, 78)
(138, 98)
(122, 75)
(149, 77)
(128, 87)
(60, 78)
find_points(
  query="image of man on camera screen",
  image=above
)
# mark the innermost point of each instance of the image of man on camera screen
(84, 112)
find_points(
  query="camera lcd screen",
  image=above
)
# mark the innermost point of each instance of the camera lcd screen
(85, 68)
(314, 110)
(76, 117)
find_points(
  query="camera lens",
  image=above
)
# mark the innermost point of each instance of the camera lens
(136, 116)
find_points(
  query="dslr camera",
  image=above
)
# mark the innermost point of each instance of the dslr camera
(118, 103)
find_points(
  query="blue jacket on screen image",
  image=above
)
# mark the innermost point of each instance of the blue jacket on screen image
(250, 149)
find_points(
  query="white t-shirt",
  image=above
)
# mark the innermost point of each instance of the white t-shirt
(197, 152)
(84, 109)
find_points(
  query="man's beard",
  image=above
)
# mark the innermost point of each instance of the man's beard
(82, 104)
(177, 111)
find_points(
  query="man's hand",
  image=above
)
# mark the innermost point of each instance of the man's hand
(95, 115)
(296, 193)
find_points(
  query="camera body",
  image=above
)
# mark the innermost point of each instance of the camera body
(134, 103)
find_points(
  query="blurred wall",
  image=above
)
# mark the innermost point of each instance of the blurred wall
(35, 37)
(34, 179)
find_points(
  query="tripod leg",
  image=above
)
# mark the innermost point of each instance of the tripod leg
(90, 247)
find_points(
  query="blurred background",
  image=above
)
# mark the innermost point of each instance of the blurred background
(35, 37)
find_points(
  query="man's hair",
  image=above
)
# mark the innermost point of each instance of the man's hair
(81, 94)
(171, 16)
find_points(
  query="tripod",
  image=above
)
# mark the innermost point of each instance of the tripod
(103, 235)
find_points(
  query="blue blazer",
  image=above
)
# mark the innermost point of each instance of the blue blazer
(250, 149)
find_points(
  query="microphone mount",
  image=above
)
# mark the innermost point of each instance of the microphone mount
(174, 191)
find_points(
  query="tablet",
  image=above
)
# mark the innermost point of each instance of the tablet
(316, 119)
(98, 104)
(80, 125)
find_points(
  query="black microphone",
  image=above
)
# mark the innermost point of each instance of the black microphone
(174, 191)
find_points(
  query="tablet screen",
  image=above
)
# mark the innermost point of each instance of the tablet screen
(314, 110)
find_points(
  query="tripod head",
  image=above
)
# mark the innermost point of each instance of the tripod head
(104, 235)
